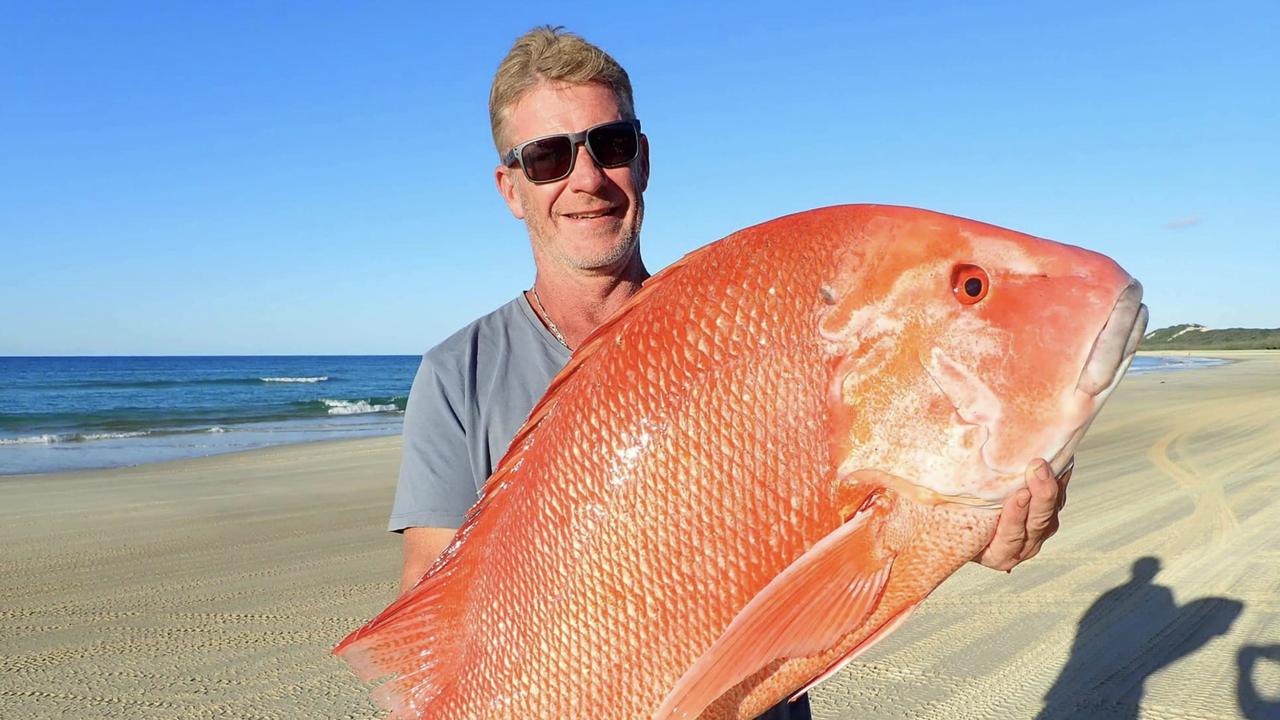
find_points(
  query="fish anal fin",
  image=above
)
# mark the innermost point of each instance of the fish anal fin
(818, 599)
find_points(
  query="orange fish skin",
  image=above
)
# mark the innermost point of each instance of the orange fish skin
(933, 541)
(737, 412)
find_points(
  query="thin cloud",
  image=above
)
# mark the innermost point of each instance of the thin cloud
(1185, 222)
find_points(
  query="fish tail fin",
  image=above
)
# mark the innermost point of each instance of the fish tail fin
(414, 645)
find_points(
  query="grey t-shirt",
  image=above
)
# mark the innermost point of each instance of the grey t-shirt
(471, 394)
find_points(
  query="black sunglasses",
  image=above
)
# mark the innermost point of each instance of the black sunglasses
(551, 158)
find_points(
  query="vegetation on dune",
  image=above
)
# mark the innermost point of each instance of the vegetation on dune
(1189, 336)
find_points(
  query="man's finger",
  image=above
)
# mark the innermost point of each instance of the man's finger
(1033, 548)
(1044, 500)
(1011, 533)
(1042, 514)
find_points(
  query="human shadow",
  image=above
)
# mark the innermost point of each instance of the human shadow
(1127, 635)
(1252, 704)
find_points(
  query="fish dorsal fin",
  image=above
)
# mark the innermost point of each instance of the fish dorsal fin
(822, 596)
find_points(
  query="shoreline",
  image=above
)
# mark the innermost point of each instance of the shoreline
(396, 431)
(182, 465)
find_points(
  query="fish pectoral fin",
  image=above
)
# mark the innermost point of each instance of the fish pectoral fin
(819, 598)
(855, 651)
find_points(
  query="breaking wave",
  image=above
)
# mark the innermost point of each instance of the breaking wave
(360, 407)
(50, 438)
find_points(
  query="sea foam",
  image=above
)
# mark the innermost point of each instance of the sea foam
(50, 438)
(316, 379)
(358, 407)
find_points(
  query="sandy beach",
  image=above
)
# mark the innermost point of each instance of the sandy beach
(213, 588)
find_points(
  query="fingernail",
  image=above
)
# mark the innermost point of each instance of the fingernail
(1045, 472)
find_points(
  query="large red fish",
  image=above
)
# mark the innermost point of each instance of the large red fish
(758, 468)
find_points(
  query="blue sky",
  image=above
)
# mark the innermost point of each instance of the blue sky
(243, 178)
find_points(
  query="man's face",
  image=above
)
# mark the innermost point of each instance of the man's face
(591, 219)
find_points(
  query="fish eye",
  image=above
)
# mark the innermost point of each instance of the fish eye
(969, 283)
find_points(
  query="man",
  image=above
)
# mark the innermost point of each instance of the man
(574, 167)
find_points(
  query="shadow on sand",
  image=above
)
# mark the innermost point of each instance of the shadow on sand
(1254, 705)
(1129, 633)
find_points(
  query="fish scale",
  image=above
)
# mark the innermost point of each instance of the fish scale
(711, 508)
(683, 451)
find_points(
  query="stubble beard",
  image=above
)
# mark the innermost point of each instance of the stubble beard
(543, 237)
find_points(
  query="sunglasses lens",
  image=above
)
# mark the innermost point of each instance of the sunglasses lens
(613, 145)
(547, 159)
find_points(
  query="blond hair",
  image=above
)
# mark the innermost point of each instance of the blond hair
(548, 53)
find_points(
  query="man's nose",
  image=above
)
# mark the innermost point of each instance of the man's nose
(586, 175)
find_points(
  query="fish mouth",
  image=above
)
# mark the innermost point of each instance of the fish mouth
(1110, 355)
(1116, 343)
(1109, 359)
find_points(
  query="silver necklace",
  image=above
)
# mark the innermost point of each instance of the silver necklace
(551, 325)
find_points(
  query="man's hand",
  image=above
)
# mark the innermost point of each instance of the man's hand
(1028, 518)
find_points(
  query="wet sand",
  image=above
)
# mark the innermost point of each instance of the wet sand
(213, 588)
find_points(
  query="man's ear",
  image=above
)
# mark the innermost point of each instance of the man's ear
(507, 189)
(642, 171)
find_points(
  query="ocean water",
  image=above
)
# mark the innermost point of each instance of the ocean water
(66, 413)
(73, 413)
(1148, 363)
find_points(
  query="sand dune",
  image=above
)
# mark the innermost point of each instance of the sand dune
(213, 588)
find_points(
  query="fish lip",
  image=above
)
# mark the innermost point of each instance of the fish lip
(1109, 359)
(1071, 465)
(1115, 342)
(1064, 458)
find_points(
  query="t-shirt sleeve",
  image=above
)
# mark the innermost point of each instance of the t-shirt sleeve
(435, 488)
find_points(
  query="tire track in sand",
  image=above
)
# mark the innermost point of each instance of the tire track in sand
(1212, 519)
